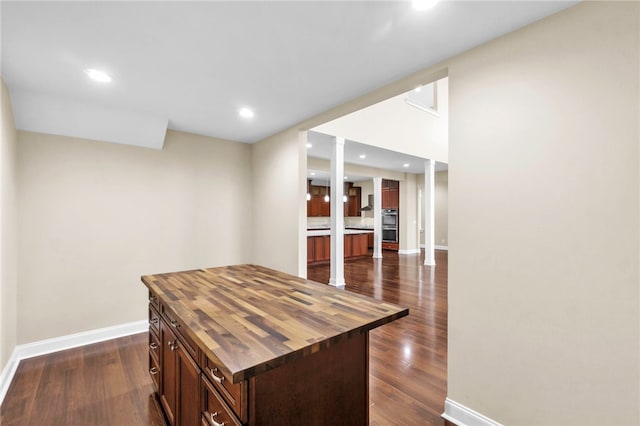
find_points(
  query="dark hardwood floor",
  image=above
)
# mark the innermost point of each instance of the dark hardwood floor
(408, 357)
(104, 383)
(107, 383)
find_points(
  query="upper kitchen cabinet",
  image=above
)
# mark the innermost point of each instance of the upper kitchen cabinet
(318, 207)
(390, 194)
(352, 205)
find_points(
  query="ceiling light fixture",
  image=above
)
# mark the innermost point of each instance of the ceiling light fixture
(312, 173)
(309, 145)
(424, 4)
(245, 112)
(97, 75)
(346, 177)
(405, 165)
(363, 156)
(417, 89)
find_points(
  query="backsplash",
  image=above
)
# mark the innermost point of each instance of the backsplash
(325, 222)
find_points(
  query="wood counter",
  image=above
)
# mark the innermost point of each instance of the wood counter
(293, 350)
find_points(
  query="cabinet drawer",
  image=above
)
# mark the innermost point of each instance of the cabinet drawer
(214, 410)
(154, 345)
(188, 343)
(154, 319)
(154, 372)
(154, 301)
(234, 394)
(390, 246)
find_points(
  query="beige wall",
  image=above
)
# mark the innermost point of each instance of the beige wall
(397, 126)
(279, 238)
(8, 237)
(408, 214)
(544, 221)
(441, 208)
(95, 216)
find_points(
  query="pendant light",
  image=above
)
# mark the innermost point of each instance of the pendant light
(326, 194)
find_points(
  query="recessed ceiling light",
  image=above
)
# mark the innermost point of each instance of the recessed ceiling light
(424, 4)
(363, 156)
(405, 165)
(312, 173)
(98, 75)
(245, 113)
(346, 177)
(417, 89)
(309, 145)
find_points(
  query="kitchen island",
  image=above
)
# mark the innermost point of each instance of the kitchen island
(250, 345)
(319, 244)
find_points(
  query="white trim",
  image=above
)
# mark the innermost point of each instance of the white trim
(61, 343)
(437, 247)
(8, 372)
(465, 416)
(409, 251)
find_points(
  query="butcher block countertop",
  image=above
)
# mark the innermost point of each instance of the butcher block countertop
(252, 319)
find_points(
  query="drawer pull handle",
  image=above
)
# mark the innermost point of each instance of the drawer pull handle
(216, 378)
(154, 346)
(153, 371)
(153, 321)
(152, 299)
(213, 419)
(173, 344)
(175, 324)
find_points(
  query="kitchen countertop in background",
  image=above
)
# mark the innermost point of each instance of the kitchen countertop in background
(323, 232)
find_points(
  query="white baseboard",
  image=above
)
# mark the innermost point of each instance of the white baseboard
(465, 416)
(409, 251)
(61, 343)
(437, 247)
(7, 374)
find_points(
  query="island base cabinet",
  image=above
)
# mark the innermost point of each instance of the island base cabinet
(328, 387)
(214, 410)
(180, 380)
(168, 370)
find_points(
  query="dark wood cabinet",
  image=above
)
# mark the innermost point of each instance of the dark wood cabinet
(360, 244)
(168, 389)
(188, 387)
(348, 246)
(314, 206)
(325, 207)
(355, 245)
(321, 248)
(390, 194)
(173, 369)
(390, 246)
(310, 250)
(318, 207)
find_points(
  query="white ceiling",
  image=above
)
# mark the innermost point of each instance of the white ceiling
(379, 158)
(195, 63)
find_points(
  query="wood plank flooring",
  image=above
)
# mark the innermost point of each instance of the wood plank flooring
(408, 357)
(107, 383)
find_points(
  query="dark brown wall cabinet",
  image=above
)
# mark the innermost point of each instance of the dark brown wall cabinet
(390, 194)
(317, 206)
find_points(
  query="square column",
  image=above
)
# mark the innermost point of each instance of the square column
(337, 213)
(429, 213)
(377, 217)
